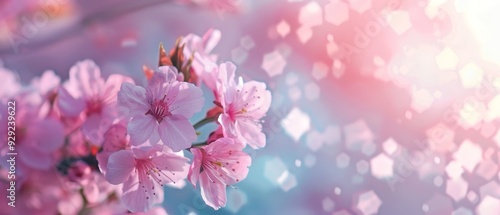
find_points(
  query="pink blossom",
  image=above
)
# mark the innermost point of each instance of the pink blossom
(217, 165)
(244, 105)
(35, 144)
(71, 202)
(93, 185)
(143, 172)
(87, 93)
(115, 139)
(98, 189)
(36, 193)
(161, 111)
(10, 83)
(79, 172)
(46, 84)
(201, 48)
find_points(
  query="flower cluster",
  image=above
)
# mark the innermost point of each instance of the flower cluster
(93, 144)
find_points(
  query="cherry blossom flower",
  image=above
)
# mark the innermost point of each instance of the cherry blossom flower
(217, 165)
(39, 192)
(200, 48)
(161, 111)
(244, 105)
(115, 139)
(10, 83)
(143, 172)
(35, 144)
(87, 93)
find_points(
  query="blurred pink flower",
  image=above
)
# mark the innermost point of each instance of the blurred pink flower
(79, 172)
(37, 192)
(143, 172)
(98, 189)
(46, 84)
(10, 83)
(34, 143)
(87, 93)
(244, 105)
(161, 111)
(217, 165)
(115, 139)
(200, 48)
(71, 202)
(76, 145)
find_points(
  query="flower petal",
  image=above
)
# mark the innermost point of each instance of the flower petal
(47, 140)
(113, 84)
(214, 194)
(189, 100)
(134, 197)
(257, 97)
(177, 133)
(87, 75)
(102, 160)
(34, 158)
(121, 165)
(173, 167)
(68, 105)
(251, 133)
(141, 192)
(132, 99)
(210, 39)
(228, 126)
(140, 128)
(194, 169)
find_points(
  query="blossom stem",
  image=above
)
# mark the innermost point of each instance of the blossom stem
(85, 203)
(196, 145)
(203, 122)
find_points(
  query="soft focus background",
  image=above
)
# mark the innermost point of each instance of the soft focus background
(379, 106)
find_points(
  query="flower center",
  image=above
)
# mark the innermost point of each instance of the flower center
(159, 109)
(94, 106)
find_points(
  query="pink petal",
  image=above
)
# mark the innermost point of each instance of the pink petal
(214, 194)
(92, 129)
(140, 197)
(174, 168)
(189, 100)
(47, 82)
(115, 138)
(71, 204)
(68, 105)
(258, 98)
(210, 75)
(134, 197)
(88, 76)
(47, 140)
(102, 159)
(121, 165)
(194, 169)
(140, 128)
(91, 192)
(34, 158)
(251, 133)
(113, 84)
(132, 99)
(226, 85)
(228, 150)
(169, 74)
(228, 126)
(145, 152)
(177, 133)
(210, 39)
